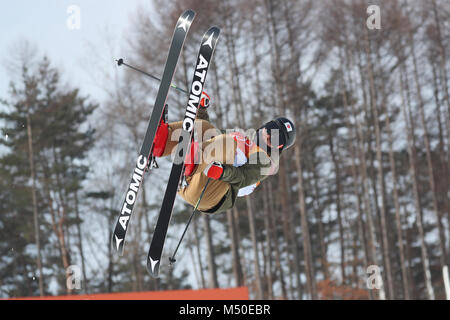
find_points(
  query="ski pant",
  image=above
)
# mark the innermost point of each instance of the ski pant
(222, 149)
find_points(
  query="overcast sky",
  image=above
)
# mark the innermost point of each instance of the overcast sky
(45, 24)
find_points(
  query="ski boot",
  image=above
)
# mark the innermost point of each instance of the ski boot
(159, 143)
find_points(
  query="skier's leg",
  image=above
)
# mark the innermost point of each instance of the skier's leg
(197, 180)
(204, 130)
(213, 194)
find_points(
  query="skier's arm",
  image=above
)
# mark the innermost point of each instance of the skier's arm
(255, 170)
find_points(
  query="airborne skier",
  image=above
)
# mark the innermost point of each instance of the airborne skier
(218, 167)
(120, 230)
(236, 163)
(204, 59)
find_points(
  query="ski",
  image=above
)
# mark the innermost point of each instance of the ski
(179, 35)
(203, 62)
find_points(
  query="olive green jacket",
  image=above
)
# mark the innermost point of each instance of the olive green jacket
(256, 169)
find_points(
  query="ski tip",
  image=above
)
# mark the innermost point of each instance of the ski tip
(214, 29)
(118, 252)
(117, 245)
(210, 37)
(185, 20)
(188, 14)
(153, 267)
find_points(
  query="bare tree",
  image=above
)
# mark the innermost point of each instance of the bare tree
(35, 211)
(309, 267)
(413, 171)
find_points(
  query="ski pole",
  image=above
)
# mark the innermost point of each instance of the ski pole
(172, 258)
(120, 62)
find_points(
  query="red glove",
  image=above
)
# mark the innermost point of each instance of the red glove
(204, 100)
(214, 170)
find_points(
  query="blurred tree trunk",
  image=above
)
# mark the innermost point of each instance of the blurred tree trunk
(59, 218)
(289, 223)
(241, 249)
(443, 54)
(233, 230)
(364, 172)
(355, 259)
(258, 116)
(309, 267)
(353, 136)
(443, 253)
(110, 269)
(252, 224)
(287, 232)
(276, 243)
(398, 221)
(222, 117)
(35, 209)
(337, 182)
(380, 171)
(269, 242)
(237, 269)
(235, 72)
(408, 255)
(212, 270)
(385, 109)
(318, 215)
(196, 270)
(264, 271)
(413, 173)
(272, 30)
(445, 183)
(80, 242)
(199, 256)
(256, 38)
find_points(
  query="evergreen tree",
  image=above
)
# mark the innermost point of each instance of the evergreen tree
(43, 111)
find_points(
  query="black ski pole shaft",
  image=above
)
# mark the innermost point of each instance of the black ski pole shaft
(172, 259)
(120, 62)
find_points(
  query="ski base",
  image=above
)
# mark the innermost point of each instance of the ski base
(179, 36)
(203, 62)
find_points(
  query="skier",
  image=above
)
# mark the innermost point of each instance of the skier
(236, 163)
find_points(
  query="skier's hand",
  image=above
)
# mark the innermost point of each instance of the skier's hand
(214, 170)
(204, 100)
